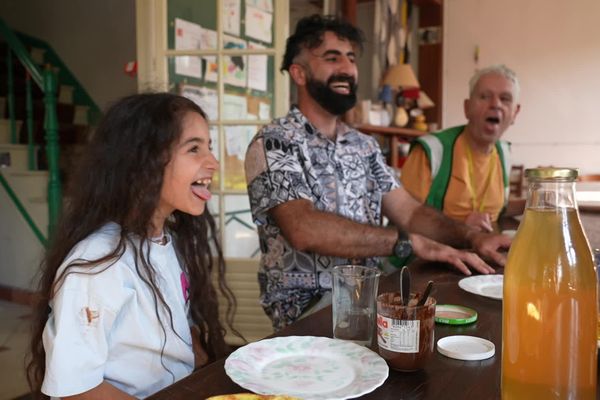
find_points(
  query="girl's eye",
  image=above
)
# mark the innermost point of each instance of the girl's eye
(194, 149)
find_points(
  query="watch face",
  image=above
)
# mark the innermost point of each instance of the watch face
(403, 248)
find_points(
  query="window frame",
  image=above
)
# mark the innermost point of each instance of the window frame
(153, 55)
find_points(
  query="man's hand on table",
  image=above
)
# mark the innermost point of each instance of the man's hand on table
(480, 221)
(431, 250)
(491, 246)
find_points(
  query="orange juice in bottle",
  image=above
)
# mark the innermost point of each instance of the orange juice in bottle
(597, 264)
(550, 307)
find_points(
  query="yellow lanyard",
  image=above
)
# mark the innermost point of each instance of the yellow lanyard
(472, 180)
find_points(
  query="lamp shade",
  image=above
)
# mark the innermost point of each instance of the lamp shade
(400, 75)
(424, 101)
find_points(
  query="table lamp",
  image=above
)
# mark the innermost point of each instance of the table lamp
(423, 102)
(402, 79)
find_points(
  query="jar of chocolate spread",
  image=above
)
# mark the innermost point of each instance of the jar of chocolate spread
(405, 333)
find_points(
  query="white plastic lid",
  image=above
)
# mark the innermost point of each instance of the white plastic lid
(467, 348)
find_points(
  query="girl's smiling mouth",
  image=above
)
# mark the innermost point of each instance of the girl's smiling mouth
(200, 188)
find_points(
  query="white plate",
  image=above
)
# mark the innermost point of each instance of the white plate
(509, 232)
(484, 285)
(308, 367)
(469, 348)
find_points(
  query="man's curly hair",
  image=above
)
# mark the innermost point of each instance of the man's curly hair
(309, 33)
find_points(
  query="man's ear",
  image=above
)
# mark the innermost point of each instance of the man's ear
(466, 108)
(514, 117)
(298, 74)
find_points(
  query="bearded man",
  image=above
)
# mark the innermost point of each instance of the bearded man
(318, 188)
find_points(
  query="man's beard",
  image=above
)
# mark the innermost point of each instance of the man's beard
(333, 102)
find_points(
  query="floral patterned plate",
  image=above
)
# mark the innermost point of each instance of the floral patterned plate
(308, 367)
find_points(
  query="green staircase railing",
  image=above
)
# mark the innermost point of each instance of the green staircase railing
(53, 150)
(47, 83)
(80, 95)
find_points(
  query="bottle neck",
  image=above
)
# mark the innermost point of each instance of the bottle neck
(551, 194)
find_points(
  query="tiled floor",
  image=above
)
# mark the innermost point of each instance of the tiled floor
(14, 337)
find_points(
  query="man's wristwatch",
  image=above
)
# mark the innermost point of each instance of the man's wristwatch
(403, 246)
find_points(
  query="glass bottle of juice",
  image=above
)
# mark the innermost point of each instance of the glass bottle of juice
(550, 303)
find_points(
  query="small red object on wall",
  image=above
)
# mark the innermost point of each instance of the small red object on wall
(131, 68)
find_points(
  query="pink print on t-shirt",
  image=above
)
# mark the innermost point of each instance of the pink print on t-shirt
(185, 287)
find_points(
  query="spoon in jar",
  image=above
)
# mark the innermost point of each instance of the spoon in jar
(425, 295)
(405, 285)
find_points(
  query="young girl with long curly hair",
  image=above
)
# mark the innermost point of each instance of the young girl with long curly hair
(127, 303)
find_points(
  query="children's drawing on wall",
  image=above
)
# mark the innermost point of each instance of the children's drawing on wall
(231, 16)
(187, 37)
(235, 67)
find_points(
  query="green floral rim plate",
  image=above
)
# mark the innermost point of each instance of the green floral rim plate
(308, 367)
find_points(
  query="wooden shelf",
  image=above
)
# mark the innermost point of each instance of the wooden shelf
(395, 135)
(420, 3)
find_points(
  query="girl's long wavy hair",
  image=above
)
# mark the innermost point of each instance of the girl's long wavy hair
(119, 180)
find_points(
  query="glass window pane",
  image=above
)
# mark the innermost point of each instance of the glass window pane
(191, 24)
(213, 205)
(198, 77)
(249, 19)
(214, 137)
(240, 239)
(213, 208)
(249, 87)
(236, 140)
(207, 99)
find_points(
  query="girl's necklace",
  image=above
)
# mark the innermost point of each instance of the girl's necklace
(161, 239)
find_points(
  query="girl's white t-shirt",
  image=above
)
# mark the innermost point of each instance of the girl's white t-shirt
(103, 324)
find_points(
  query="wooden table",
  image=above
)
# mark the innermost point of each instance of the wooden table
(442, 378)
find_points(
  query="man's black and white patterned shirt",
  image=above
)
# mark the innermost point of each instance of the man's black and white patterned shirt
(289, 160)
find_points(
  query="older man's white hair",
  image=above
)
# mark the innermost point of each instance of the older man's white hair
(499, 69)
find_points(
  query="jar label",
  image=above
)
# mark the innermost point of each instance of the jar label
(401, 336)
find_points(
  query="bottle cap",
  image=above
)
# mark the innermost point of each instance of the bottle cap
(469, 348)
(454, 315)
(566, 174)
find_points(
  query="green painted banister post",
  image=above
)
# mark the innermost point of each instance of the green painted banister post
(52, 150)
(11, 97)
(29, 113)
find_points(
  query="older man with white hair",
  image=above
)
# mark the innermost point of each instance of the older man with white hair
(464, 170)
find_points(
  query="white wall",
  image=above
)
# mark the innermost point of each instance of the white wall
(20, 250)
(554, 47)
(367, 86)
(93, 38)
